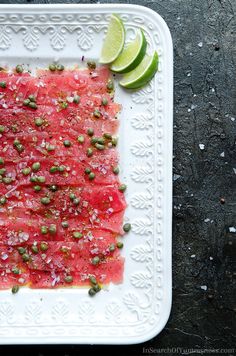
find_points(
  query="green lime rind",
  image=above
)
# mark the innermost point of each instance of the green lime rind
(142, 74)
(114, 41)
(131, 55)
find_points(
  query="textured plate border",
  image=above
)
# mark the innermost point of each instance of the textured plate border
(138, 309)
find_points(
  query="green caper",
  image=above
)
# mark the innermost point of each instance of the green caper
(80, 139)
(76, 99)
(119, 244)
(32, 98)
(122, 187)
(1, 161)
(15, 270)
(53, 169)
(36, 166)
(91, 176)
(26, 171)
(99, 146)
(33, 179)
(67, 143)
(96, 113)
(116, 170)
(43, 246)
(34, 249)
(77, 235)
(37, 188)
(45, 200)
(25, 257)
(21, 250)
(72, 196)
(3, 200)
(2, 171)
(107, 135)
(76, 201)
(3, 85)
(91, 292)
(92, 279)
(114, 141)
(53, 188)
(38, 121)
(89, 152)
(110, 85)
(87, 170)
(20, 148)
(90, 131)
(104, 101)
(15, 289)
(68, 279)
(127, 227)
(60, 67)
(95, 260)
(19, 69)
(96, 288)
(41, 179)
(2, 128)
(52, 229)
(65, 224)
(7, 180)
(52, 67)
(94, 140)
(101, 141)
(44, 230)
(112, 247)
(33, 105)
(61, 169)
(26, 102)
(50, 148)
(91, 65)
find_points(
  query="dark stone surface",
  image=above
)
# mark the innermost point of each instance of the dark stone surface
(204, 250)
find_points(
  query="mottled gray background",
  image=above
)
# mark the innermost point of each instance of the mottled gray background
(204, 217)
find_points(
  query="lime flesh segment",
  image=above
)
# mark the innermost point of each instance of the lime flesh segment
(131, 55)
(142, 74)
(114, 40)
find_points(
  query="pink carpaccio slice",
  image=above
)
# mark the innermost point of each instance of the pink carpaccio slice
(71, 202)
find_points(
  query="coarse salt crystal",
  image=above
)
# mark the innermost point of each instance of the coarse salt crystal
(203, 287)
(201, 146)
(4, 256)
(232, 229)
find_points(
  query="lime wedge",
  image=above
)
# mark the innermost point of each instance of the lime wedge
(142, 74)
(131, 55)
(114, 40)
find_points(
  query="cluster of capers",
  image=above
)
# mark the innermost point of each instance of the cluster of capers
(75, 200)
(30, 102)
(53, 67)
(95, 287)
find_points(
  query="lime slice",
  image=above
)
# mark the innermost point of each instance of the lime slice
(114, 40)
(131, 55)
(142, 74)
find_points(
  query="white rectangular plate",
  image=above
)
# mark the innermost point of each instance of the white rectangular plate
(137, 309)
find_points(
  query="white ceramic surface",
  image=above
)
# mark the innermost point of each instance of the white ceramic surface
(137, 309)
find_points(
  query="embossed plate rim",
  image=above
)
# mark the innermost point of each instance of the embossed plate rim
(147, 302)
